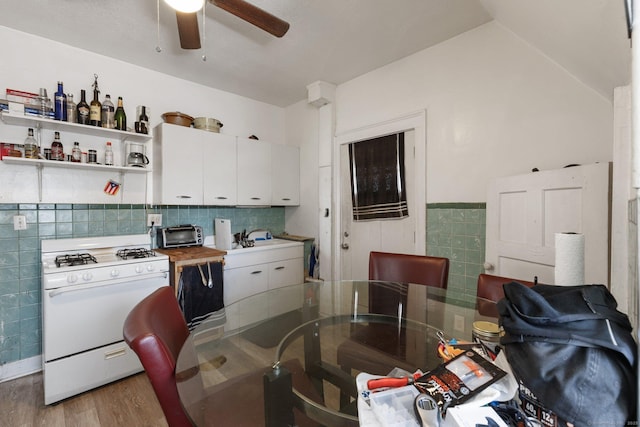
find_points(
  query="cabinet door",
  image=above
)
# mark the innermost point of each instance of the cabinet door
(180, 166)
(254, 172)
(285, 173)
(219, 171)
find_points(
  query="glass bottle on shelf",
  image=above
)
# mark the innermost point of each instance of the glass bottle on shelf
(120, 117)
(108, 154)
(30, 146)
(71, 109)
(83, 109)
(95, 107)
(57, 151)
(76, 154)
(108, 111)
(144, 121)
(45, 103)
(60, 104)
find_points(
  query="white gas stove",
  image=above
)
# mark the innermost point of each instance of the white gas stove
(89, 286)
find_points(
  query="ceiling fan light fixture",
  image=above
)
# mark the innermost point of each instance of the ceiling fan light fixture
(186, 6)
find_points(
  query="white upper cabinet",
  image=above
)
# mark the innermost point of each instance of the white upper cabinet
(285, 175)
(219, 170)
(254, 172)
(177, 176)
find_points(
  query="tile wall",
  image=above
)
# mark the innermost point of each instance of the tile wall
(20, 322)
(457, 231)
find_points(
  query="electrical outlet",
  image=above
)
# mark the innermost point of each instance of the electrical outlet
(154, 219)
(458, 323)
(19, 222)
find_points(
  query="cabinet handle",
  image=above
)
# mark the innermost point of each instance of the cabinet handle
(221, 198)
(286, 199)
(183, 197)
(256, 272)
(255, 198)
(279, 268)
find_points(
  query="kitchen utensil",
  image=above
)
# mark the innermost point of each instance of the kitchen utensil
(207, 123)
(177, 118)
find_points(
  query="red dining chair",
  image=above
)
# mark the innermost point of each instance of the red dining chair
(490, 288)
(419, 269)
(156, 331)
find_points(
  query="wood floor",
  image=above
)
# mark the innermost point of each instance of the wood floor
(129, 402)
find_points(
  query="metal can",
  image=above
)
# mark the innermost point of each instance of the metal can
(47, 153)
(93, 156)
(487, 334)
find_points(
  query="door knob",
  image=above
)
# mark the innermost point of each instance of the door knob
(344, 246)
(487, 266)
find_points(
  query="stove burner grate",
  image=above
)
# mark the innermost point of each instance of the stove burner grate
(75, 259)
(135, 253)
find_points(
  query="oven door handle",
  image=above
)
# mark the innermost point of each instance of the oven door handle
(79, 288)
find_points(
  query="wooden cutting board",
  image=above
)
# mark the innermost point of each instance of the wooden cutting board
(192, 253)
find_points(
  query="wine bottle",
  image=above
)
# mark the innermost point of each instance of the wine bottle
(57, 151)
(83, 109)
(95, 108)
(120, 117)
(60, 104)
(108, 112)
(144, 121)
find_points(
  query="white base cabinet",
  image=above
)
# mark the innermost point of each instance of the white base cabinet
(249, 273)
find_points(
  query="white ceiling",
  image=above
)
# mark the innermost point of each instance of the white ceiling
(329, 40)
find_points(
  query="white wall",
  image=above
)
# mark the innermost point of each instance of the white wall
(30, 62)
(495, 107)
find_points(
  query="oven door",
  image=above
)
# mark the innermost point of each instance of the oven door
(83, 317)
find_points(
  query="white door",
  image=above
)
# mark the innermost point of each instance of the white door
(525, 211)
(388, 235)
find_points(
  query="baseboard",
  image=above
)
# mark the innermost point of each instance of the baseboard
(10, 371)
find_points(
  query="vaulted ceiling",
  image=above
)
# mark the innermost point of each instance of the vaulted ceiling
(329, 40)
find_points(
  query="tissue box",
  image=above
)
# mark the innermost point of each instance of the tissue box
(465, 416)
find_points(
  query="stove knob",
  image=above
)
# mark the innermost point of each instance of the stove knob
(87, 276)
(115, 273)
(150, 267)
(72, 278)
(139, 269)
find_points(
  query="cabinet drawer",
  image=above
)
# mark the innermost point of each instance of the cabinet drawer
(242, 282)
(285, 273)
(242, 259)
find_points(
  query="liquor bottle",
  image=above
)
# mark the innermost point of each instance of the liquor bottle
(60, 104)
(120, 117)
(30, 146)
(83, 109)
(108, 155)
(45, 103)
(57, 151)
(108, 111)
(95, 107)
(71, 109)
(76, 154)
(144, 121)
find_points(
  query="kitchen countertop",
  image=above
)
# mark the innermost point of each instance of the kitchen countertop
(260, 245)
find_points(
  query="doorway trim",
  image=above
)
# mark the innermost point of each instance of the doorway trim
(416, 121)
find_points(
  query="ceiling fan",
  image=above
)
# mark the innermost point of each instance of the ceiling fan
(188, 20)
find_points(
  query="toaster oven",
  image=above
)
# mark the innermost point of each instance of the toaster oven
(180, 236)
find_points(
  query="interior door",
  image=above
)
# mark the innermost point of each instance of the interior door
(525, 211)
(358, 238)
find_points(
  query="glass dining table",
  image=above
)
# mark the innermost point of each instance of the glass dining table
(290, 355)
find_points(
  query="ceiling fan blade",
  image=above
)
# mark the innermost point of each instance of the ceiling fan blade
(254, 15)
(188, 30)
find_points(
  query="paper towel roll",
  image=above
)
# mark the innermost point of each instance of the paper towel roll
(569, 268)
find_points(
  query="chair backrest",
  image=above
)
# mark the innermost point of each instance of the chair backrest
(156, 331)
(420, 269)
(490, 287)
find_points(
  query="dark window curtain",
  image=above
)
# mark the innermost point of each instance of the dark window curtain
(377, 178)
